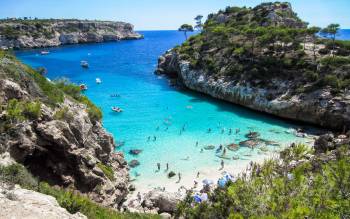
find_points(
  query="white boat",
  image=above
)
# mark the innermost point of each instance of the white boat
(117, 109)
(44, 52)
(98, 81)
(84, 64)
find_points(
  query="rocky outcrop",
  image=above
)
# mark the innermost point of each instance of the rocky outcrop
(70, 150)
(49, 33)
(18, 203)
(329, 142)
(319, 107)
(156, 201)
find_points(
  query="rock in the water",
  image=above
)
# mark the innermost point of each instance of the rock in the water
(249, 143)
(171, 174)
(18, 203)
(135, 152)
(134, 163)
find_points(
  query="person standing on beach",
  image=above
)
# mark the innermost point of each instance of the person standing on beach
(222, 164)
(139, 196)
(198, 174)
(158, 166)
(179, 177)
(167, 166)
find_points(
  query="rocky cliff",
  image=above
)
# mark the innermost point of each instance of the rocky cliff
(246, 56)
(51, 129)
(49, 33)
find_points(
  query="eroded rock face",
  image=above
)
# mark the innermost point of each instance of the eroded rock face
(18, 203)
(319, 107)
(48, 33)
(73, 151)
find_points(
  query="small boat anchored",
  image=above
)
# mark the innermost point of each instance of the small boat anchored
(117, 109)
(83, 87)
(98, 81)
(84, 64)
(44, 52)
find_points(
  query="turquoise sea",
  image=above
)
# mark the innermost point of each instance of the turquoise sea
(173, 119)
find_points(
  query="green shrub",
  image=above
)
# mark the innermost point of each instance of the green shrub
(108, 171)
(311, 76)
(94, 112)
(335, 61)
(14, 111)
(63, 114)
(18, 174)
(32, 110)
(21, 110)
(53, 93)
(331, 80)
(277, 190)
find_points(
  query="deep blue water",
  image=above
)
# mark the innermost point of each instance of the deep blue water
(344, 34)
(153, 108)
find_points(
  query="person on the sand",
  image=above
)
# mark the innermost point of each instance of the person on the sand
(224, 152)
(222, 164)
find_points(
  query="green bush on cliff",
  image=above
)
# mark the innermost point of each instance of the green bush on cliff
(18, 111)
(18, 174)
(107, 170)
(277, 189)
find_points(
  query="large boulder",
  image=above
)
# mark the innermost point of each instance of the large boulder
(161, 200)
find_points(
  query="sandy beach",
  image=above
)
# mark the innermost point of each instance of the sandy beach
(187, 180)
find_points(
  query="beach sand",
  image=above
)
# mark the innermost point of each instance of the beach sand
(187, 179)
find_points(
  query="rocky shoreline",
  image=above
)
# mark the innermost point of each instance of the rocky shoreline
(319, 107)
(19, 34)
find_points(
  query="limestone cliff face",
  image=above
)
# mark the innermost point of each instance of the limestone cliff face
(49, 33)
(70, 150)
(319, 107)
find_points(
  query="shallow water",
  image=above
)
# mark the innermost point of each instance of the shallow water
(178, 119)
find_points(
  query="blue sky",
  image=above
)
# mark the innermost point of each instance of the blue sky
(165, 14)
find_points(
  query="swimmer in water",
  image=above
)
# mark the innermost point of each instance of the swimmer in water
(237, 131)
(158, 166)
(230, 132)
(149, 138)
(154, 138)
(209, 130)
(196, 143)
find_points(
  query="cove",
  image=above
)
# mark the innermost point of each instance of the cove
(173, 120)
